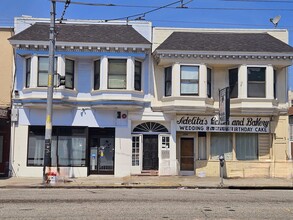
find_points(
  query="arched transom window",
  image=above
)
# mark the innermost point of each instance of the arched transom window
(150, 127)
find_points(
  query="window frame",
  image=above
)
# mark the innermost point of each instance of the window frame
(97, 75)
(209, 82)
(168, 70)
(38, 70)
(69, 74)
(256, 81)
(234, 84)
(137, 75)
(115, 74)
(191, 81)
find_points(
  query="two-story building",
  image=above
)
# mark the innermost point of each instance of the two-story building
(142, 100)
(106, 68)
(192, 67)
(6, 79)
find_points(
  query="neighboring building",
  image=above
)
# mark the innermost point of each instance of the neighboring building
(192, 66)
(290, 114)
(125, 111)
(6, 78)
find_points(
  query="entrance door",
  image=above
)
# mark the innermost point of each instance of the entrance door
(150, 152)
(187, 154)
(102, 151)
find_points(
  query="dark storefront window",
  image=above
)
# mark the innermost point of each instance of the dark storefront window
(70, 142)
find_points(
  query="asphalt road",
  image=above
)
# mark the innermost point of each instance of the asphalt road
(145, 204)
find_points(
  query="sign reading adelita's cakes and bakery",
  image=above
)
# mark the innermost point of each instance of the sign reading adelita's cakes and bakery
(212, 124)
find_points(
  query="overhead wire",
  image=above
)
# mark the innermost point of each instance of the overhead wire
(67, 3)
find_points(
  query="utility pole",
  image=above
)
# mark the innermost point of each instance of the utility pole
(49, 109)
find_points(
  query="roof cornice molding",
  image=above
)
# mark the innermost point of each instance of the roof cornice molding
(216, 55)
(78, 47)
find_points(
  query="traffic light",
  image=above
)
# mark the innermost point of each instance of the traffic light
(61, 80)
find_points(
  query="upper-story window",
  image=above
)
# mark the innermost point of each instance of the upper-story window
(256, 82)
(117, 73)
(233, 82)
(97, 66)
(209, 82)
(43, 67)
(168, 81)
(27, 72)
(137, 76)
(189, 80)
(69, 74)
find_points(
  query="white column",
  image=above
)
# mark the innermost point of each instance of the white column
(175, 79)
(269, 82)
(130, 73)
(202, 83)
(242, 82)
(104, 73)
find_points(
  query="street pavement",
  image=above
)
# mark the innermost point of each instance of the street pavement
(100, 181)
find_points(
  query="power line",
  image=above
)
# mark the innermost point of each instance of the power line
(266, 1)
(67, 3)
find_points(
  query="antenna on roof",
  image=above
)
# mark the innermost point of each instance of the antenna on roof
(275, 20)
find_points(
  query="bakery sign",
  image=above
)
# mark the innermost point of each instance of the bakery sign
(212, 124)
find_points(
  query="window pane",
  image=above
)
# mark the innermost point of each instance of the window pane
(189, 72)
(43, 79)
(256, 82)
(221, 143)
(69, 74)
(189, 88)
(117, 74)
(137, 77)
(202, 149)
(246, 146)
(43, 67)
(1, 148)
(256, 90)
(189, 80)
(28, 72)
(233, 83)
(168, 81)
(209, 82)
(97, 75)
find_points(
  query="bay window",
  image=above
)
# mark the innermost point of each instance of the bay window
(256, 82)
(189, 80)
(117, 73)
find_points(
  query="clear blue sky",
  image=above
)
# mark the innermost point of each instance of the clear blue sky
(200, 13)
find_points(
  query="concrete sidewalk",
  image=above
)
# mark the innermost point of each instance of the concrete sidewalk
(150, 182)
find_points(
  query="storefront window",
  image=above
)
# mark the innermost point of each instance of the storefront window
(246, 146)
(202, 147)
(221, 143)
(70, 142)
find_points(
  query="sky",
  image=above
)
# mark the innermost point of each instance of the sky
(253, 14)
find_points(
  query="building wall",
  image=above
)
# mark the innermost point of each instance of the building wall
(6, 63)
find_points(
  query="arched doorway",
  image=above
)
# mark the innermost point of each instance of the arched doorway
(150, 132)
